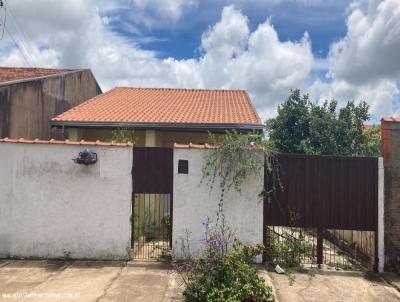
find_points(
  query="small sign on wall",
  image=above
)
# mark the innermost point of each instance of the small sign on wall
(183, 166)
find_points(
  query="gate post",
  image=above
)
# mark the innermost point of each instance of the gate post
(320, 247)
(380, 242)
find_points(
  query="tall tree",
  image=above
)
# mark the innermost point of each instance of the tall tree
(304, 127)
(292, 125)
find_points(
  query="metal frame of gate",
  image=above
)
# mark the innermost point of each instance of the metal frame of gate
(328, 196)
(152, 202)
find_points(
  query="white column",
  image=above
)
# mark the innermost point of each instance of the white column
(381, 216)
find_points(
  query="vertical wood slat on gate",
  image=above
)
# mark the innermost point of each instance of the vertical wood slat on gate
(152, 174)
(329, 192)
(152, 170)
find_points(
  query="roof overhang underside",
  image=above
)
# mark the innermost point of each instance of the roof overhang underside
(158, 126)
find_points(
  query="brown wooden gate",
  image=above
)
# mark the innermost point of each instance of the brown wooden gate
(152, 177)
(325, 194)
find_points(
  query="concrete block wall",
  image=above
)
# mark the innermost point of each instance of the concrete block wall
(51, 207)
(391, 156)
(26, 106)
(194, 201)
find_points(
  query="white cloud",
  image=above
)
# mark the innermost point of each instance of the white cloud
(365, 64)
(42, 57)
(232, 56)
(228, 37)
(258, 61)
(166, 9)
(371, 47)
(378, 94)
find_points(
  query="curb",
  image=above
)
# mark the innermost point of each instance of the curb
(386, 279)
(267, 278)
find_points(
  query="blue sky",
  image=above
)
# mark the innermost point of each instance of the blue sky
(325, 23)
(346, 50)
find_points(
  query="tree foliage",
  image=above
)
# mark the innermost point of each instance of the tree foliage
(304, 127)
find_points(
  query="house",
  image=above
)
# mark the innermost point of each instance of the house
(160, 116)
(30, 97)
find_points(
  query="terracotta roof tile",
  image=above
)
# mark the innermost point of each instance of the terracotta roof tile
(165, 105)
(193, 146)
(8, 74)
(65, 142)
(391, 119)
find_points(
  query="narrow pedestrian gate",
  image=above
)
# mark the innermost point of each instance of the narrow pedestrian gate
(331, 202)
(152, 181)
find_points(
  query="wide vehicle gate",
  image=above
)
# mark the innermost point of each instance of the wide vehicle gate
(330, 203)
(152, 177)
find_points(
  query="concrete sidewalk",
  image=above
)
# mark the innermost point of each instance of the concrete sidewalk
(340, 286)
(27, 280)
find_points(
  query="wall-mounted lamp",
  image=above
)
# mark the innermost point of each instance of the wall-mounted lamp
(86, 157)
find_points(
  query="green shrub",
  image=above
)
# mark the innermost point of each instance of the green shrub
(124, 135)
(223, 271)
(145, 226)
(287, 249)
(232, 280)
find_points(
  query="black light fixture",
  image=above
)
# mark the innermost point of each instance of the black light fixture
(86, 157)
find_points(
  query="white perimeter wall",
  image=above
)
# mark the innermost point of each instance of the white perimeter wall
(193, 202)
(51, 207)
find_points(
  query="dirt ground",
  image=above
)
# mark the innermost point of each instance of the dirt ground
(28, 280)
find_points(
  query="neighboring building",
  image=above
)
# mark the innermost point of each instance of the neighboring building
(161, 116)
(30, 97)
(390, 128)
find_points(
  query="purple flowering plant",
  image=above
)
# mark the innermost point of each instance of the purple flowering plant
(217, 240)
(221, 271)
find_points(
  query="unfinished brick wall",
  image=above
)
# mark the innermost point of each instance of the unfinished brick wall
(391, 157)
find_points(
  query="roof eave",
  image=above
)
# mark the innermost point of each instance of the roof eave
(164, 126)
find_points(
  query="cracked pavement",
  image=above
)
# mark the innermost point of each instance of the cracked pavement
(335, 286)
(46, 280)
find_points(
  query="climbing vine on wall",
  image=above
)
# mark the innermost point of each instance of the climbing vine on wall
(234, 157)
(231, 160)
